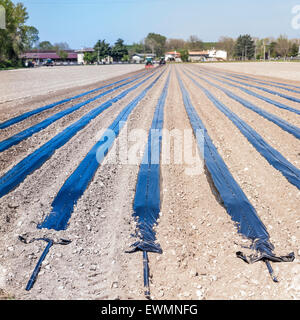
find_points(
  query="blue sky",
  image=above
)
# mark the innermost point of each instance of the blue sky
(82, 22)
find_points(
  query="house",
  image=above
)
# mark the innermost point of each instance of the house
(172, 56)
(140, 57)
(196, 56)
(219, 55)
(38, 56)
(207, 55)
(137, 59)
(80, 54)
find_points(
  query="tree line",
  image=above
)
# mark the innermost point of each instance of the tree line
(19, 37)
(244, 47)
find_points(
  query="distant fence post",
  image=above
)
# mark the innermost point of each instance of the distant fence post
(2, 17)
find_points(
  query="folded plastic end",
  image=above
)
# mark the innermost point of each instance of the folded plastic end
(147, 246)
(267, 258)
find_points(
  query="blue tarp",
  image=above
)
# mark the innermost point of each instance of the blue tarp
(274, 157)
(286, 126)
(78, 181)
(17, 138)
(235, 201)
(18, 173)
(252, 93)
(146, 204)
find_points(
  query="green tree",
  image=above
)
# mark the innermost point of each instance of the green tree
(272, 49)
(62, 54)
(119, 50)
(89, 57)
(294, 49)
(46, 45)
(135, 48)
(184, 55)
(283, 46)
(156, 43)
(102, 50)
(16, 36)
(30, 36)
(194, 43)
(227, 44)
(244, 47)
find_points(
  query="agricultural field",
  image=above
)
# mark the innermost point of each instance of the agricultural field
(73, 166)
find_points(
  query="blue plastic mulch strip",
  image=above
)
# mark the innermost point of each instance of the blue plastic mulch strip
(19, 172)
(264, 83)
(252, 93)
(28, 114)
(276, 93)
(78, 181)
(235, 201)
(146, 205)
(17, 138)
(286, 126)
(274, 157)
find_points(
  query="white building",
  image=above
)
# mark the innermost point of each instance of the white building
(218, 54)
(137, 59)
(207, 55)
(80, 54)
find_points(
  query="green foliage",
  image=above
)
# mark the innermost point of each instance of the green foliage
(272, 49)
(244, 47)
(135, 48)
(294, 49)
(17, 36)
(156, 43)
(194, 43)
(184, 55)
(89, 57)
(119, 50)
(62, 54)
(125, 58)
(102, 50)
(283, 46)
(30, 36)
(46, 45)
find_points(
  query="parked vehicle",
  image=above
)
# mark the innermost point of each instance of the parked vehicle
(49, 63)
(30, 64)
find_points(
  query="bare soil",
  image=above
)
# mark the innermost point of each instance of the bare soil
(198, 238)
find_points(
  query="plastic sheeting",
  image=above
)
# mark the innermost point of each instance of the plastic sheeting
(274, 157)
(252, 93)
(276, 93)
(235, 201)
(17, 138)
(146, 205)
(28, 114)
(18, 173)
(78, 181)
(264, 83)
(286, 126)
